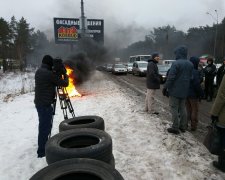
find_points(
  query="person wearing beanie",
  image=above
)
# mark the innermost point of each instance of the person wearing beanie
(47, 60)
(220, 73)
(45, 90)
(177, 85)
(210, 73)
(153, 83)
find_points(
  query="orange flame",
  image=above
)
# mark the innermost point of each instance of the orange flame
(71, 89)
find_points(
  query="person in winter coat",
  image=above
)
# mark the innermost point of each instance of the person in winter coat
(194, 93)
(153, 83)
(177, 85)
(210, 72)
(201, 72)
(45, 90)
(218, 115)
(220, 73)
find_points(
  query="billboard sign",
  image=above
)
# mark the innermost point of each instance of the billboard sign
(96, 29)
(67, 30)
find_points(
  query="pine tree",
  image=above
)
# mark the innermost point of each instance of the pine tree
(22, 41)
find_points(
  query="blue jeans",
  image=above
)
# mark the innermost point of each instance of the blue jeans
(45, 114)
(179, 113)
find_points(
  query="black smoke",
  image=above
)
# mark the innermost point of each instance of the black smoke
(81, 66)
(89, 55)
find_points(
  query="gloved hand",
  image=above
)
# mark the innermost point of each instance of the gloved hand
(165, 92)
(214, 119)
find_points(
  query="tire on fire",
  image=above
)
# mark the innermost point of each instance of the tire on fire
(79, 143)
(78, 169)
(82, 122)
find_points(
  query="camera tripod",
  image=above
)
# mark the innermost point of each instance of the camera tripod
(65, 102)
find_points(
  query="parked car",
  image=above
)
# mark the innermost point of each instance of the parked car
(139, 68)
(163, 69)
(119, 69)
(129, 67)
(109, 67)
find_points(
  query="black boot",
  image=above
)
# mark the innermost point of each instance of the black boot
(221, 163)
(218, 166)
(173, 130)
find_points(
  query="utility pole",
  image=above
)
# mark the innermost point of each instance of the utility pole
(83, 29)
(216, 19)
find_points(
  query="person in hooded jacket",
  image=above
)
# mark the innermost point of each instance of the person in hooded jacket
(45, 90)
(210, 72)
(177, 85)
(218, 116)
(195, 92)
(153, 83)
(220, 73)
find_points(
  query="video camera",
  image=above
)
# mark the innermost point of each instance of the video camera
(58, 67)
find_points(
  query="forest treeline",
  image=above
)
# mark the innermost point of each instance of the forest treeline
(199, 40)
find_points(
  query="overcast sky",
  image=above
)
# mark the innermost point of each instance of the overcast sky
(131, 19)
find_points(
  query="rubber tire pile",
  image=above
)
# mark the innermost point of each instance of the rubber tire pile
(81, 150)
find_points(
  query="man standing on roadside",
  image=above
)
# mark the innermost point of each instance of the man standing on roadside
(153, 83)
(218, 116)
(45, 90)
(194, 94)
(177, 85)
(210, 73)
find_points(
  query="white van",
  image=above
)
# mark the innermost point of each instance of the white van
(132, 59)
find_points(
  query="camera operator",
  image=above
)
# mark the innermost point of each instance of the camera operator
(46, 81)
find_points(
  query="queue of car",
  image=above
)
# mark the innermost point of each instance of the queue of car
(136, 68)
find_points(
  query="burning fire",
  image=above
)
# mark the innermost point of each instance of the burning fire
(71, 89)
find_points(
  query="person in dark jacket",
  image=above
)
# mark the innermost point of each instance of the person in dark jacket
(201, 72)
(45, 90)
(220, 73)
(195, 92)
(153, 83)
(177, 85)
(210, 72)
(218, 115)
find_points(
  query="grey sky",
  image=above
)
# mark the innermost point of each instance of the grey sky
(125, 20)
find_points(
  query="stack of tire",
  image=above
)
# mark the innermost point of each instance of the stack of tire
(81, 150)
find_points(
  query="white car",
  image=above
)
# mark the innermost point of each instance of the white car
(119, 69)
(140, 68)
(129, 67)
(109, 67)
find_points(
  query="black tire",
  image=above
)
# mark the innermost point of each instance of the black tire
(85, 169)
(79, 143)
(82, 122)
(112, 161)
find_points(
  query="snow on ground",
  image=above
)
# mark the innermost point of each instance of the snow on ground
(142, 148)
